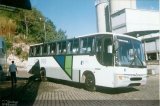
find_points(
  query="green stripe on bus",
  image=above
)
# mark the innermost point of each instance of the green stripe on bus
(68, 65)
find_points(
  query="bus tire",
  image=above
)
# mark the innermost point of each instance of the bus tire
(43, 74)
(90, 82)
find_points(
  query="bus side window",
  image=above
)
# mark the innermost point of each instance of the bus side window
(87, 45)
(53, 48)
(75, 46)
(38, 50)
(99, 49)
(63, 49)
(41, 50)
(91, 45)
(3, 47)
(31, 51)
(44, 49)
(48, 49)
(98, 45)
(58, 46)
(107, 51)
(83, 45)
(70, 46)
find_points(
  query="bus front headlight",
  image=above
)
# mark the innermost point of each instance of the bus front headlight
(119, 77)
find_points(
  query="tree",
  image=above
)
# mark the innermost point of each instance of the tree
(61, 34)
(7, 26)
(32, 25)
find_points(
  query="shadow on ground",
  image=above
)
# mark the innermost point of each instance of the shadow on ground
(64, 82)
(116, 90)
(24, 93)
(98, 88)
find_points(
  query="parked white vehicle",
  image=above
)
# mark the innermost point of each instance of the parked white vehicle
(101, 59)
(3, 60)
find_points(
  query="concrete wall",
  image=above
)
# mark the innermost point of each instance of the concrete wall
(117, 5)
(151, 46)
(140, 20)
(153, 67)
(119, 22)
(101, 18)
(135, 20)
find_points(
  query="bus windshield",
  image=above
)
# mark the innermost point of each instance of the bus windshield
(129, 52)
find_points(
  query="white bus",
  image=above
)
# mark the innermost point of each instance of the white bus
(102, 59)
(3, 58)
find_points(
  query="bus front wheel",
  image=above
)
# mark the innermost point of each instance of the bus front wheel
(90, 82)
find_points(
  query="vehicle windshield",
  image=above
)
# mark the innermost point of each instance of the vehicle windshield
(129, 52)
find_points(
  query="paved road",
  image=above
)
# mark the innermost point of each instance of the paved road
(52, 93)
(48, 93)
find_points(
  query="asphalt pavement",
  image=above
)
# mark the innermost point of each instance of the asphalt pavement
(31, 91)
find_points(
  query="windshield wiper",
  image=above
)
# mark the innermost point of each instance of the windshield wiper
(136, 57)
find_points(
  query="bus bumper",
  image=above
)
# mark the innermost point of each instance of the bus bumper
(129, 80)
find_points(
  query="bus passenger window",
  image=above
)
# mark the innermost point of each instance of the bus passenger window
(63, 48)
(107, 51)
(41, 48)
(99, 50)
(58, 48)
(48, 49)
(3, 47)
(83, 45)
(53, 48)
(90, 45)
(38, 50)
(31, 51)
(99, 47)
(44, 49)
(70, 47)
(75, 46)
(87, 45)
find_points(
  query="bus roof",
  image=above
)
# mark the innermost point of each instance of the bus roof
(93, 34)
(102, 33)
(36, 44)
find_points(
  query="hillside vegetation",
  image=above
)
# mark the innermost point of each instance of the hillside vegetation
(27, 26)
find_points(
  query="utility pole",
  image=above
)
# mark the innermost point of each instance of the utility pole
(44, 24)
(44, 27)
(26, 25)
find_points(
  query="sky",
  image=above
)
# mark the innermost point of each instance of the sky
(78, 17)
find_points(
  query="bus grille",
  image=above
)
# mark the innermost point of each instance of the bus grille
(136, 79)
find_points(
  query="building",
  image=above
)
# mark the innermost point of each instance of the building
(151, 46)
(131, 20)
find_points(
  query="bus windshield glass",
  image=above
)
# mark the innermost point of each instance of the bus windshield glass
(129, 52)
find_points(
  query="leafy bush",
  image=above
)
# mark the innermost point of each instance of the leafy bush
(24, 55)
(8, 43)
(18, 51)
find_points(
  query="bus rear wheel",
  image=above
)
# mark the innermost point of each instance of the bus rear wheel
(43, 74)
(90, 82)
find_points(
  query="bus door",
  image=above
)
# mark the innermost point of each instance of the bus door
(107, 51)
